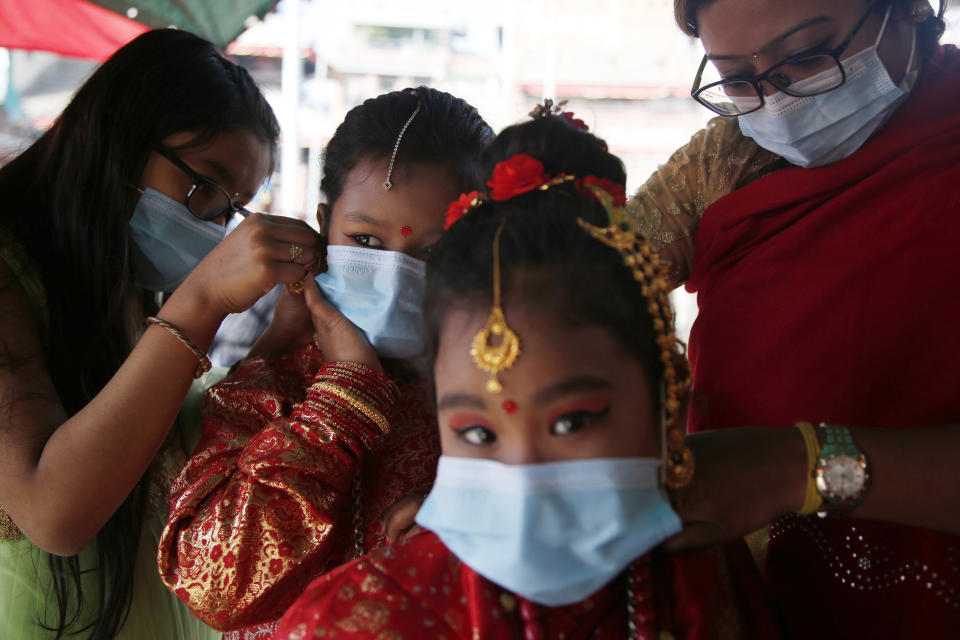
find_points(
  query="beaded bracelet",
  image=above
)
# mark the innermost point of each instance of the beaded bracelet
(204, 365)
(813, 501)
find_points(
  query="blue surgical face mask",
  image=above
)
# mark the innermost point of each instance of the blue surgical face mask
(381, 292)
(168, 241)
(817, 130)
(553, 533)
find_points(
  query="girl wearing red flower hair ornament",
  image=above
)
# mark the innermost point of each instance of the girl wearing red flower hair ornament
(559, 387)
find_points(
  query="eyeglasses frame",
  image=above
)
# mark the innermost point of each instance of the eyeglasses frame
(755, 81)
(199, 179)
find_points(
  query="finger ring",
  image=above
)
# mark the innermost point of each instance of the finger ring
(295, 252)
(295, 287)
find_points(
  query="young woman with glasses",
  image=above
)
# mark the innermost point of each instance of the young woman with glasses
(816, 219)
(114, 215)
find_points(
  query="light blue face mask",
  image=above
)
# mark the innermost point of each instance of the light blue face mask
(817, 130)
(168, 241)
(553, 533)
(381, 292)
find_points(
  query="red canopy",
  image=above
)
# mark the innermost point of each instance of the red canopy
(74, 28)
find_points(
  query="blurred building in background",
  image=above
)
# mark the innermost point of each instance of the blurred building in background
(622, 65)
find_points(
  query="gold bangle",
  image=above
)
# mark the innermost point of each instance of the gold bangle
(355, 401)
(813, 501)
(204, 362)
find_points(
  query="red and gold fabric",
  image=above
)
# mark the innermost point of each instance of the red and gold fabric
(830, 294)
(268, 501)
(418, 589)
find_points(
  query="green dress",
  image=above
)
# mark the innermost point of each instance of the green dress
(155, 612)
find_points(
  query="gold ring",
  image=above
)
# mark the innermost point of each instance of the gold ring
(295, 252)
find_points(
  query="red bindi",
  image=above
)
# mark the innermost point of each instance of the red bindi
(509, 406)
(405, 231)
(755, 55)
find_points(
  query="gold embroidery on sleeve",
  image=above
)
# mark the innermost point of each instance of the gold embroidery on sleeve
(717, 160)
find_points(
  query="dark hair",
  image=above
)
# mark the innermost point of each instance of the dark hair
(445, 131)
(546, 258)
(928, 35)
(68, 198)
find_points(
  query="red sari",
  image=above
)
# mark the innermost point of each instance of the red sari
(267, 501)
(830, 294)
(418, 589)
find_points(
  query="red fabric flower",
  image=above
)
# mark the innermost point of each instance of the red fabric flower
(516, 175)
(617, 191)
(459, 207)
(577, 122)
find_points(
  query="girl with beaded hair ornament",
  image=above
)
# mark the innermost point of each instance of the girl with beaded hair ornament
(559, 386)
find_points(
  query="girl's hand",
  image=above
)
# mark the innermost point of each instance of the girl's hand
(262, 251)
(337, 338)
(745, 479)
(290, 329)
(398, 520)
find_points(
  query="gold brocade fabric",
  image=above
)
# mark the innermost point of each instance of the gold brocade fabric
(264, 505)
(418, 589)
(717, 160)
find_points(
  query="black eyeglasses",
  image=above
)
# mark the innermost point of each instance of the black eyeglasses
(206, 199)
(737, 96)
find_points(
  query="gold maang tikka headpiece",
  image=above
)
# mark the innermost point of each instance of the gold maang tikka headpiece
(500, 356)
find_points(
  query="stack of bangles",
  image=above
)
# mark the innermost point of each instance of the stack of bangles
(365, 390)
(204, 362)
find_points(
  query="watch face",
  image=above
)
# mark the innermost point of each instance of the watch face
(844, 476)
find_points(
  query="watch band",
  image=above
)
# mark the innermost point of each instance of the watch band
(813, 502)
(842, 472)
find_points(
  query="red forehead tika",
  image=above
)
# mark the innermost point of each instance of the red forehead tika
(509, 406)
(755, 55)
(405, 231)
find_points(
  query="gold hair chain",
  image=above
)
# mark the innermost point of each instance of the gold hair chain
(644, 263)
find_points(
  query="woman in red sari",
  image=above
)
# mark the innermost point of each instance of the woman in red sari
(306, 456)
(554, 410)
(816, 220)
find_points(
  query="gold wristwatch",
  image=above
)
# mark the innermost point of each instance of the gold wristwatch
(842, 471)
